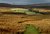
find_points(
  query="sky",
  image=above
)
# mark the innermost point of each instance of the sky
(24, 2)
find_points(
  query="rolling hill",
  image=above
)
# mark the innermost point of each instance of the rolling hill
(41, 5)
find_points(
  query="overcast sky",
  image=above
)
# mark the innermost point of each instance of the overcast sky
(24, 2)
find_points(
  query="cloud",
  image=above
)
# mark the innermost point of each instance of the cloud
(15, 1)
(47, 1)
(24, 2)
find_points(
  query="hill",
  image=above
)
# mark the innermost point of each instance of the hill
(40, 5)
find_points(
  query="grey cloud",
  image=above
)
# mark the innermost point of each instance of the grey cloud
(24, 1)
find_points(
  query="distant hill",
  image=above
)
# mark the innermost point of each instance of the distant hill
(41, 5)
(10, 5)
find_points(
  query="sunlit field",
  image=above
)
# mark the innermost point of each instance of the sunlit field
(10, 22)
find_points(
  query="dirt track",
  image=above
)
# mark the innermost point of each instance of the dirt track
(10, 22)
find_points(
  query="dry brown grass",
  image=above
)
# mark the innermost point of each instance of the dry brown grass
(11, 22)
